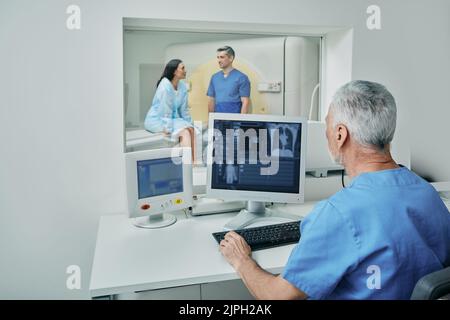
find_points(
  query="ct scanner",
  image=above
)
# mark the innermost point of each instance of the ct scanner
(283, 71)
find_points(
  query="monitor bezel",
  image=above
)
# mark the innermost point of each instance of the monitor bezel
(134, 203)
(263, 196)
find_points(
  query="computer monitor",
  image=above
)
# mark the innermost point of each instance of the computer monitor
(256, 158)
(158, 181)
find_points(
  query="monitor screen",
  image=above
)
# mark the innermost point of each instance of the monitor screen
(158, 177)
(241, 149)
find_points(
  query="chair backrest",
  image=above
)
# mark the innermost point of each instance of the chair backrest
(433, 286)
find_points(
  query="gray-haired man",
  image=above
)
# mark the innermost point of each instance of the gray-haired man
(371, 240)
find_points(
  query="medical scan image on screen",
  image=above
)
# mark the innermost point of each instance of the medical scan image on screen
(159, 177)
(240, 175)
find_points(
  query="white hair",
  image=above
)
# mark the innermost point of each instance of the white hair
(368, 111)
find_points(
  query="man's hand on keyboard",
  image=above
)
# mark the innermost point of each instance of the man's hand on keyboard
(235, 249)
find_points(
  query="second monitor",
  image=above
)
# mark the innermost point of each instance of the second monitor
(256, 158)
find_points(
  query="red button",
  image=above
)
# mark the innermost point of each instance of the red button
(145, 206)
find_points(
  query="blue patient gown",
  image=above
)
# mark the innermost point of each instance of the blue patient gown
(169, 110)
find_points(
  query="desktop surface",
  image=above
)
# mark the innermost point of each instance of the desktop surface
(129, 259)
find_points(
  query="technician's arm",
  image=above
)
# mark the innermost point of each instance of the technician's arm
(245, 104)
(211, 104)
(261, 284)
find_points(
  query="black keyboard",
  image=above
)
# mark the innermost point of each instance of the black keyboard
(270, 236)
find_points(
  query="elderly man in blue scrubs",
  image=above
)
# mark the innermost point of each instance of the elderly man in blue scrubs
(373, 239)
(229, 89)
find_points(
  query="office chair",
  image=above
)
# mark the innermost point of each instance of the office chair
(435, 285)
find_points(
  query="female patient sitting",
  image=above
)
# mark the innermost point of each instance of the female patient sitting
(169, 112)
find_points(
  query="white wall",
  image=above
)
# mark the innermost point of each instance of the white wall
(337, 65)
(62, 112)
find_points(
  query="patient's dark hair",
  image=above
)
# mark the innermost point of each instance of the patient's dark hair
(169, 70)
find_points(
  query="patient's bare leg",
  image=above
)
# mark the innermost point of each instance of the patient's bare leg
(186, 140)
(193, 146)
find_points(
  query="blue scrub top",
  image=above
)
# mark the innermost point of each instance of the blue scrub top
(372, 240)
(227, 91)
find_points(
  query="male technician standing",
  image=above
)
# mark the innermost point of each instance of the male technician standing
(229, 89)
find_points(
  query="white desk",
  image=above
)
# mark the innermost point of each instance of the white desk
(129, 259)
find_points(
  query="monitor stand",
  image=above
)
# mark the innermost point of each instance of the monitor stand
(256, 211)
(155, 221)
